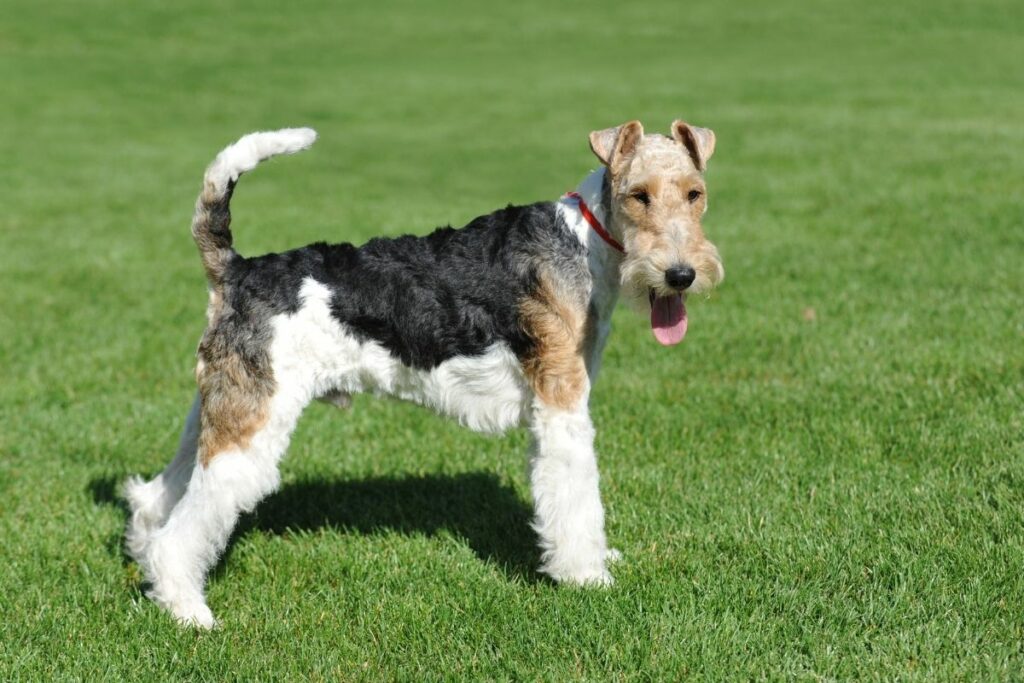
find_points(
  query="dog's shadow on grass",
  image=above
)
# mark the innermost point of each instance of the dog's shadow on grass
(476, 507)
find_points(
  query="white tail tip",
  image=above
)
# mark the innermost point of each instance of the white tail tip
(292, 140)
(253, 148)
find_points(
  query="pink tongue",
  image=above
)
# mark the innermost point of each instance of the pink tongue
(668, 319)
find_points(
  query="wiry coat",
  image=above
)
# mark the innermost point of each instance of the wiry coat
(497, 324)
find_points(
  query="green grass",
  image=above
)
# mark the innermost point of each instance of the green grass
(825, 481)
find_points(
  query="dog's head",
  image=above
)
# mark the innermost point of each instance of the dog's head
(657, 198)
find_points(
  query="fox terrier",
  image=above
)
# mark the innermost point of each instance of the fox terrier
(498, 324)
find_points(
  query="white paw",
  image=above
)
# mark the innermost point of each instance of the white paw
(195, 614)
(613, 555)
(596, 579)
(143, 498)
(592, 576)
(136, 539)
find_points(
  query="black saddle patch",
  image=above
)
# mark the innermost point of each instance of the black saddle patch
(425, 299)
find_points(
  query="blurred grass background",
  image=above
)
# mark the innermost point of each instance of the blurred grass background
(825, 481)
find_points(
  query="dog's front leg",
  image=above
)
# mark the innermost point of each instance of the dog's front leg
(563, 476)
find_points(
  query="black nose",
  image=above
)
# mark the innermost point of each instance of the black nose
(680, 277)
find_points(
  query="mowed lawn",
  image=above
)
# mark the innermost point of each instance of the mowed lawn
(824, 481)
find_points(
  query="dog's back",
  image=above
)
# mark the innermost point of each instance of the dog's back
(454, 292)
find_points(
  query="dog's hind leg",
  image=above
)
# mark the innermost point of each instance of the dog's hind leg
(151, 502)
(237, 465)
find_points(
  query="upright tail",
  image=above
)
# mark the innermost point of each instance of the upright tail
(212, 220)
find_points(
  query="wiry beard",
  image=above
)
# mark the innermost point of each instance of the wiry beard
(640, 276)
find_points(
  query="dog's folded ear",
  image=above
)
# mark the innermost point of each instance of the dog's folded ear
(614, 145)
(699, 142)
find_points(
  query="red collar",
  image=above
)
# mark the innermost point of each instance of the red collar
(594, 223)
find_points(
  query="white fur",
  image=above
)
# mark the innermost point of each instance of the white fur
(151, 502)
(182, 519)
(177, 556)
(569, 517)
(251, 149)
(486, 393)
(312, 355)
(603, 259)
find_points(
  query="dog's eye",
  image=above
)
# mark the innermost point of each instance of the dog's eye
(694, 195)
(641, 197)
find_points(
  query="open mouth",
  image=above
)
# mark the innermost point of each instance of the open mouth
(668, 318)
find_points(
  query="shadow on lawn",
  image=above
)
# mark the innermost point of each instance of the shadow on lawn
(474, 506)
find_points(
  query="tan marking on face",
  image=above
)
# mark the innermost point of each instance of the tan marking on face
(659, 219)
(556, 370)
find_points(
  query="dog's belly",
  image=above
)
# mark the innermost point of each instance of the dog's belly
(485, 393)
(314, 355)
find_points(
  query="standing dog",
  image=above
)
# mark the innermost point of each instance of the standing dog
(498, 324)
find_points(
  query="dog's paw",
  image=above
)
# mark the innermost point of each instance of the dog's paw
(613, 555)
(591, 576)
(595, 579)
(194, 614)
